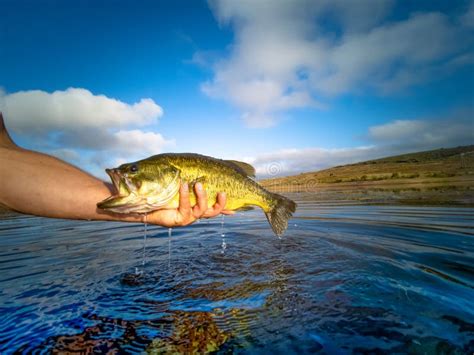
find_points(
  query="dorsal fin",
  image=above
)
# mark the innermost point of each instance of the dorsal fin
(248, 169)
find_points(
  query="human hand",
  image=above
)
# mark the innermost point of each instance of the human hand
(185, 214)
(25, 173)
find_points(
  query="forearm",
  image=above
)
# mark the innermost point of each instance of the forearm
(42, 185)
(39, 184)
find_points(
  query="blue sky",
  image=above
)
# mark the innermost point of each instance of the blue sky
(296, 85)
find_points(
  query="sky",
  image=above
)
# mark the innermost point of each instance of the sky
(287, 85)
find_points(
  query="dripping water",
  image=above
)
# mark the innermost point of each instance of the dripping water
(223, 244)
(139, 272)
(144, 239)
(169, 246)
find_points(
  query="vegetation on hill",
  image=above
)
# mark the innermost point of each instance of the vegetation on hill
(439, 170)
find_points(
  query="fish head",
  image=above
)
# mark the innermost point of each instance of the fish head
(141, 187)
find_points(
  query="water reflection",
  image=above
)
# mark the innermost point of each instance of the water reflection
(344, 279)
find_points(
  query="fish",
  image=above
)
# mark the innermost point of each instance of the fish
(153, 183)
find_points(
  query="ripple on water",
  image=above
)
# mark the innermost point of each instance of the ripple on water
(343, 279)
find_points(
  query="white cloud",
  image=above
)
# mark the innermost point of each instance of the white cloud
(284, 56)
(397, 137)
(396, 130)
(390, 56)
(74, 108)
(140, 143)
(63, 122)
(426, 134)
(292, 161)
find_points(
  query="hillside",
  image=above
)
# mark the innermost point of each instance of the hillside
(436, 176)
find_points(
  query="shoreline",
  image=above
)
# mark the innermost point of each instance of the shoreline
(419, 193)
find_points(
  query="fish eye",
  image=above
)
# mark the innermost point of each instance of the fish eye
(133, 168)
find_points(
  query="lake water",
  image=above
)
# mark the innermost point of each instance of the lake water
(344, 279)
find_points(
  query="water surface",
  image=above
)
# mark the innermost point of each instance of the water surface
(344, 279)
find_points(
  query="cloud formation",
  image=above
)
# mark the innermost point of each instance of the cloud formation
(65, 122)
(40, 111)
(396, 137)
(293, 161)
(292, 54)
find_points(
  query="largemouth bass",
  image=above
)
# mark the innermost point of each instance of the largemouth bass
(153, 183)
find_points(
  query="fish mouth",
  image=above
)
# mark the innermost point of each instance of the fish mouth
(118, 192)
(116, 178)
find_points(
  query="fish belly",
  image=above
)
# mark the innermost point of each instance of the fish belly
(231, 203)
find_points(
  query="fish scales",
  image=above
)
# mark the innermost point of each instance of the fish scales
(153, 183)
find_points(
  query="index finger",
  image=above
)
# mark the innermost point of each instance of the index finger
(184, 203)
(218, 207)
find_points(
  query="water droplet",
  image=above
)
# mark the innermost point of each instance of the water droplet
(169, 246)
(144, 239)
(223, 244)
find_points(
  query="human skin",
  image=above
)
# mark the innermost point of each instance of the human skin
(39, 184)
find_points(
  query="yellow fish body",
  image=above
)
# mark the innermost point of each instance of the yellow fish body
(153, 183)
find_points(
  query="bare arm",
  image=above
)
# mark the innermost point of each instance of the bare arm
(39, 184)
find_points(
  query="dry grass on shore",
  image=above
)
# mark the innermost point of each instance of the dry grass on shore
(442, 175)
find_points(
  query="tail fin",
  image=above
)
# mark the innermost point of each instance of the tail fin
(280, 213)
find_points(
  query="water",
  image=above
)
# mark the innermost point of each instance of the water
(344, 279)
(145, 231)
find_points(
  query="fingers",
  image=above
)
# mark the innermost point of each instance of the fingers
(201, 204)
(218, 207)
(187, 214)
(228, 212)
(184, 208)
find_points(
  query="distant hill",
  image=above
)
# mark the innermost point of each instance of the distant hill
(421, 174)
